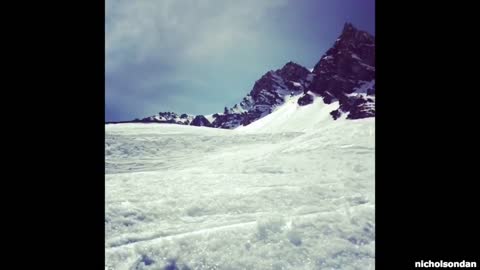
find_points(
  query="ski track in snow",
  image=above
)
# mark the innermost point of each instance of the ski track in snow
(289, 191)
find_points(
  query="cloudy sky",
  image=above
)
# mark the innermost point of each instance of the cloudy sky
(198, 56)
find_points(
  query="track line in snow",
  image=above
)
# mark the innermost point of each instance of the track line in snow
(179, 235)
(160, 237)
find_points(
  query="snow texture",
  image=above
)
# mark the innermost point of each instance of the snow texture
(293, 190)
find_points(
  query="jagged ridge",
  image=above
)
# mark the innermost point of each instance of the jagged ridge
(345, 73)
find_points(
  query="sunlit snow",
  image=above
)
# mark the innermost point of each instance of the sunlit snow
(293, 190)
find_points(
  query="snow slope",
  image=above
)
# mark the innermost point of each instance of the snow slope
(293, 190)
(292, 117)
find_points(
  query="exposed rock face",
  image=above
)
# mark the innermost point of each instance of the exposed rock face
(356, 106)
(305, 100)
(346, 73)
(201, 121)
(267, 93)
(228, 121)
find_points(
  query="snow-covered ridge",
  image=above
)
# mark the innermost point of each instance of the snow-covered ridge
(167, 117)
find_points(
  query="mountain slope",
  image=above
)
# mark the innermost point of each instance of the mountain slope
(291, 117)
(267, 93)
(296, 192)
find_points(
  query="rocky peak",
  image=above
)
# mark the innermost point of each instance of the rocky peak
(346, 71)
(293, 72)
(274, 85)
(348, 28)
(268, 92)
(201, 121)
(353, 36)
(352, 44)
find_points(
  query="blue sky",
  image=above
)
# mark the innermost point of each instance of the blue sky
(198, 56)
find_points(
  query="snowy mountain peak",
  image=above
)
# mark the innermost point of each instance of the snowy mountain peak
(267, 93)
(345, 73)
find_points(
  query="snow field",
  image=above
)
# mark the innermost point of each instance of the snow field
(293, 190)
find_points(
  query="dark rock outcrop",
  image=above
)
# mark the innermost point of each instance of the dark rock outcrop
(305, 100)
(201, 121)
(166, 118)
(228, 121)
